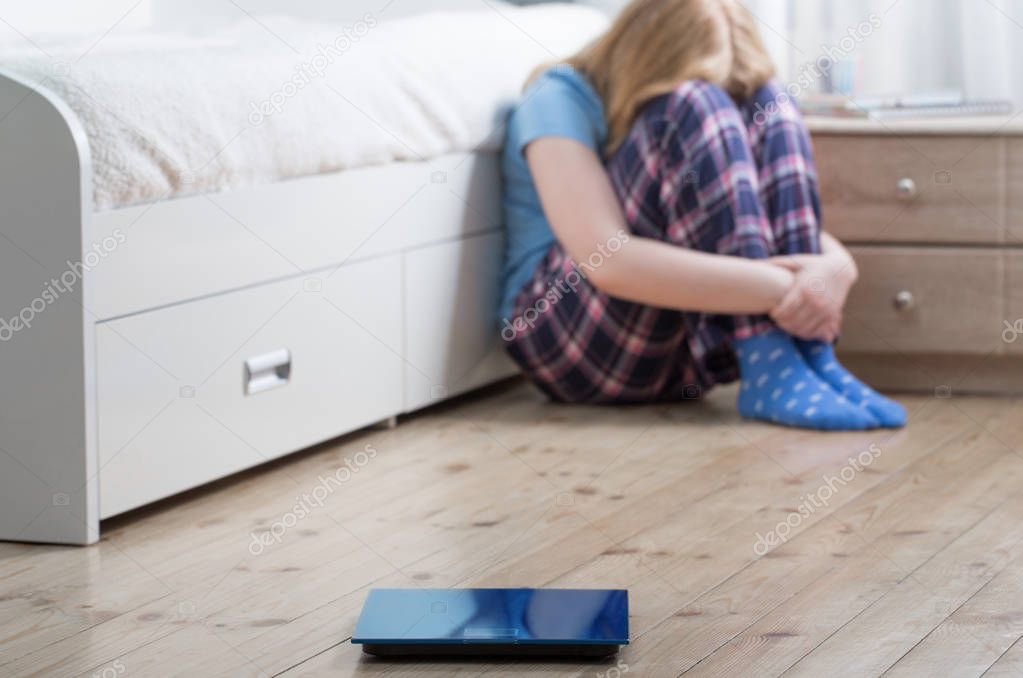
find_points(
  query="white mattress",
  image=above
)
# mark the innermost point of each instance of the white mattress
(170, 115)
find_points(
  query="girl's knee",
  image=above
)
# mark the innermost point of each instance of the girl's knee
(772, 103)
(701, 99)
(771, 91)
(697, 110)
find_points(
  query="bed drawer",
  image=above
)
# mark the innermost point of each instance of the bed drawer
(925, 300)
(191, 393)
(451, 294)
(258, 234)
(913, 189)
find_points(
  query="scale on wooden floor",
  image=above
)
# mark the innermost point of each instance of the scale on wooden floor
(583, 623)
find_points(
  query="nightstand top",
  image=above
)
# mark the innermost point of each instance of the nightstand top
(988, 125)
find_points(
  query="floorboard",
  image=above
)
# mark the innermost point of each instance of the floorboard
(897, 552)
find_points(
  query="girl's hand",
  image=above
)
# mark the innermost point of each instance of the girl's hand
(813, 306)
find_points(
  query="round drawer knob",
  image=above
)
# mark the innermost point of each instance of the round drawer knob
(903, 301)
(906, 189)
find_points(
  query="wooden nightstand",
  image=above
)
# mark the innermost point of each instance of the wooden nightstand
(933, 212)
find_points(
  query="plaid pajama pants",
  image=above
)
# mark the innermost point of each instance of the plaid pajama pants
(700, 172)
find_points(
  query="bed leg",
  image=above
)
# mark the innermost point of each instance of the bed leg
(388, 424)
(49, 487)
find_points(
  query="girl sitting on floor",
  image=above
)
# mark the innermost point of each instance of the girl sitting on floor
(664, 228)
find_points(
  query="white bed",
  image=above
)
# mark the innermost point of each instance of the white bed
(252, 284)
(171, 115)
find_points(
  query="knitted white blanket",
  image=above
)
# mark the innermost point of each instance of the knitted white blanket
(273, 97)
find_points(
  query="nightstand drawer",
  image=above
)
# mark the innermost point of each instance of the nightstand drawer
(1012, 324)
(913, 189)
(926, 300)
(1014, 218)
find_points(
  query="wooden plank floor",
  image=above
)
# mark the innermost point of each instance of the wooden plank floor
(748, 549)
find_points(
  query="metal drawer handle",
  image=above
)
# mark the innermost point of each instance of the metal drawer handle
(906, 189)
(903, 301)
(267, 371)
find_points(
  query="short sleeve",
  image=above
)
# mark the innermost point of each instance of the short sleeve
(553, 108)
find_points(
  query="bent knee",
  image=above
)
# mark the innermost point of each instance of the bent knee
(696, 109)
(770, 91)
(700, 114)
(699, 98)
(772, 103)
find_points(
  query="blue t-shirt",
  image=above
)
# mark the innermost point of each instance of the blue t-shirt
(561, 103)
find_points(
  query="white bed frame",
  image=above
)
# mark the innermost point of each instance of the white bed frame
(218, 332)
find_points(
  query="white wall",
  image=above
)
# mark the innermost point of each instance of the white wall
(915, 49)
(171, 11)
(57, 17)
(183, 13)
(921, 45)
(775, 20)
(37, 18)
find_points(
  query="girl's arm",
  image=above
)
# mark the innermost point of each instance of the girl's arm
(833, 248)
(583, 210)
(813, 306)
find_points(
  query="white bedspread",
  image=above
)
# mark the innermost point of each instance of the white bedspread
(273, 98)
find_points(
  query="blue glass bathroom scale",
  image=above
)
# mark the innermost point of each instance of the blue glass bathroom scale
(494, 622)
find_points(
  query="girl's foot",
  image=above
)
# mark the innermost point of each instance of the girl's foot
(779, 386)
(821, 358)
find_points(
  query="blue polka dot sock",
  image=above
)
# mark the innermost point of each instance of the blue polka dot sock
(821, 358)
(778, 385)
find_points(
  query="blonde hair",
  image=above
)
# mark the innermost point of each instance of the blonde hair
(655, 45)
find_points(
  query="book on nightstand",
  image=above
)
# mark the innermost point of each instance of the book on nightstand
(939, 105)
